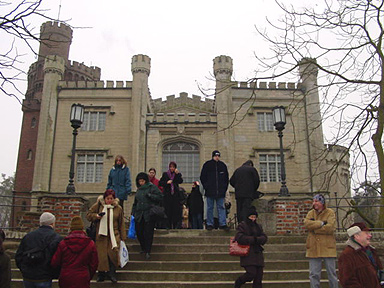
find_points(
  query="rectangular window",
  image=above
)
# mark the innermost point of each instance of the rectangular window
(270, 168)
(265, 121)
(94, 121)
(90, 168)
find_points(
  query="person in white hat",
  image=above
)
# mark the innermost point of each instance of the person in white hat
(359, 263)
(33, 257)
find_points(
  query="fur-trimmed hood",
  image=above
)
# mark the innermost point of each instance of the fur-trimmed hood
(101, 200)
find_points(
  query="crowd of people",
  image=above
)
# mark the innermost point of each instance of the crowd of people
(44, 255)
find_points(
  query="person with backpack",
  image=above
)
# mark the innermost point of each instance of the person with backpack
(34, 254)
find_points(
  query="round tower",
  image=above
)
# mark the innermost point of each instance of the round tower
(141, 68)
(308, 76)
(222, 69)
(54, 67)
(55, 39)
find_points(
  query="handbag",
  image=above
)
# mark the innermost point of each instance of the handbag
(235, 249)
(132, 228)
(157, 212)
(123, 254)
(91, 231)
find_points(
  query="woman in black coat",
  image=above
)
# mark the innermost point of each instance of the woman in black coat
(173, 198)
(147, 195)
(251, 233)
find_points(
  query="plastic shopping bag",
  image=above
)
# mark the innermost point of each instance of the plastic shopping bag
(123, 253)
(132, 228)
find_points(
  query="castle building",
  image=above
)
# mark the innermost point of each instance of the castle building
(122, 118)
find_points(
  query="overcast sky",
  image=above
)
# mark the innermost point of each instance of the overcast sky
(181, 37)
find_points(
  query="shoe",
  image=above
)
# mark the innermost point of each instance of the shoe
(147, 256)
(209, 227)
(225, 228)
(238, 283)
(113, 278)
(100, 277)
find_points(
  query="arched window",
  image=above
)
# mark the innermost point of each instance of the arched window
(187, 157)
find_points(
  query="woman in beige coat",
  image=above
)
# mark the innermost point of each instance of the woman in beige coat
(110, 230)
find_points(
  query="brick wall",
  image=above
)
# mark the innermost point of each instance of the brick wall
(290, 215)
(64, 207)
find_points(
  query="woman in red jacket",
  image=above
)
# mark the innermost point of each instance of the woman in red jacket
(77, 257)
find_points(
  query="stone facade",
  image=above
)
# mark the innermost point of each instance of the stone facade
(139, 127)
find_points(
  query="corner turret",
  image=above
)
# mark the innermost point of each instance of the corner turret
(55, 39)
(222, 67)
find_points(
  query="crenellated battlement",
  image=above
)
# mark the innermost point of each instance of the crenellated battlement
(172, 118)
(337, 152)
(55, 27)
(222, 65)
(81, 67)
(172, 102)
(95, 84)
(267, 85)
(141, 63)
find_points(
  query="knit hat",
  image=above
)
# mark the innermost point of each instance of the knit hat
(76, 223)
(215, 153)
(319, 198)
(252, 211)
(47, 219)
(357, 228)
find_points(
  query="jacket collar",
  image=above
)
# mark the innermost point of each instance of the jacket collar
(101, 200)
(356, 246)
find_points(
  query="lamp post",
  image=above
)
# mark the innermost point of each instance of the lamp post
(76, 118)
(279, 121)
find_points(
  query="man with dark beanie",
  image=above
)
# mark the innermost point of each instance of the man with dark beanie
(321, 242)
(214, 178)
(249, 232)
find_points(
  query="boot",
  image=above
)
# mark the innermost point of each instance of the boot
(238, 283)
(100, 277)
(112, 272)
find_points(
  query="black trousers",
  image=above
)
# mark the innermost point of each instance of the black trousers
(144, 233)
(242, 206)
(254, 273)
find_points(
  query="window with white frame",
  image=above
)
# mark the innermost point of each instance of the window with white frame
(187, 157)
(90, 168)
(94, 121)
(269, 167)
(265, 121)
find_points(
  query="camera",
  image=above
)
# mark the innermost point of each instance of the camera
(101, 214)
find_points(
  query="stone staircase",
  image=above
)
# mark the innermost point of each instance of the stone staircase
(199, 259)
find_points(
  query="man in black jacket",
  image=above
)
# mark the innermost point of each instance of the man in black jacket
(33, 257)
(246, 181)
(214, 178)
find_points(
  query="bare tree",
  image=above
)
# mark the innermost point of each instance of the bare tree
(344, 40)
(16, 31)
(6, 187)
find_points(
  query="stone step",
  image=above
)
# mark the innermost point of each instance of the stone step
(186, 284)
(156, 275)
(152, 265)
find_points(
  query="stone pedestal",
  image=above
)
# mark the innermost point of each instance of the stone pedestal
(63, 206)
(283, 215)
